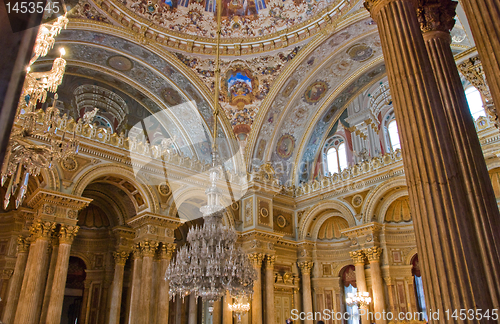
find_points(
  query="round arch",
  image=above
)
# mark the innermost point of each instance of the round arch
(321, 220)
(374, 196)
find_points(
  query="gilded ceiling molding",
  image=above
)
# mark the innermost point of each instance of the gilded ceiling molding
(326, 105)
(344, 209)
(156, 48)
(283, 77)
(87, 176)
(374, 196)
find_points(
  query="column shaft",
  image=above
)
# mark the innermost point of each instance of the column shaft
(305, 269)
(377, 283)
(148, 249)
(165, 252)
(227, 315)
(32, 288)
(448, 235)
(135, 297)
(117, 286)
(59, 283)
(217, 314)
(482, 16)
(257, 289)
(193, 310)
(359, 265)
(270, 317)
(16, 280)
(50, 279)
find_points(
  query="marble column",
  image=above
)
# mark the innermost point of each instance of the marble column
(193, 310)
(85, 301)
(217, 313)
(270, 317)
(166, 251)
(443, 213)
(373, 254)
(16, 280)
(358, 257)
(117, 286)
(411, 291)
(32, 287)
(227, 315)
(307, 304)
(50, 278)
(148, 249)
(256, 259)
(389, 282)
(135, 293)
(67, 234)
(482, 16)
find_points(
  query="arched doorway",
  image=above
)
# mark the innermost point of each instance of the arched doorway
(73, 293)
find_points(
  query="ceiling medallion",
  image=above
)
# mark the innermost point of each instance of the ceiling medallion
(120, 63)
(315, 92)
(281, 221)
(69, 163)
(285, 146)
(164, 189)
(264, 212)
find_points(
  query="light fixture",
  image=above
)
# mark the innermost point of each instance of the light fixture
(238, 309)
(24, 157)
(358, 299)
(210, 263)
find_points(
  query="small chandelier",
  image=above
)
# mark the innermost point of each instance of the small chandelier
(238, 309)
(210, 263)
(24, 158)
(358, 299)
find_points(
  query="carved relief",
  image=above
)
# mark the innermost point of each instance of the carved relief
(264, 212)
(248, 212)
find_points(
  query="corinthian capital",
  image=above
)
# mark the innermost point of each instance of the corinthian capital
(256, 259)
(148, 247)
(166, 250)
(436, 15)
(121, 257)
(270, 260)
(67, 233)
(23, 244)
(358, 257)
(42, 230)
(373, 253)
(305, 267)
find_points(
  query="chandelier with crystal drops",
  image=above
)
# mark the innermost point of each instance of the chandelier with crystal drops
(358, 299)
(210, 263)
(239, 308)
(24, 157)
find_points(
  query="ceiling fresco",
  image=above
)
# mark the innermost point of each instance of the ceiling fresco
(244, 83)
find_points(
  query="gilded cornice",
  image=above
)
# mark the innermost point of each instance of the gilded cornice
(45, 196)
(149, 226)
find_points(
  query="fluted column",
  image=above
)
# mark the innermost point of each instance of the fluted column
(166, 251)
(148, 249)
(217, 313)
(50, 278)
(307, 304)
(256, 259)
(453, 241)
(32, 287)
(193, 310)
(117, 286)
(391, 295)
(373, 254)
(482, 16)
(135, 292)
(66, 236)
(85, 301)
(270, 318)
(227, 315)
(358, 257)
(16, 280)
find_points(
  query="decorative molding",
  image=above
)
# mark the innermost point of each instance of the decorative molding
(358, 257)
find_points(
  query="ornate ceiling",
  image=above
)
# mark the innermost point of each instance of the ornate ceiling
(289, 70)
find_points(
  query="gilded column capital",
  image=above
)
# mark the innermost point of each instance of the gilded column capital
(256, 259)
(148, 247)
(305, 267)
(270, 260)
(67, 233)
(166, 251)
(389, 281)
(23, 244)
(7, 274)
(42, 230)
(121, 257)
(436, 15)
(374, 6)
(373, 254)
(136, 251)
(358, 257)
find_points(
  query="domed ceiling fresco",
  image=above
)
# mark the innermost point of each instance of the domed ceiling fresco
(288, 68)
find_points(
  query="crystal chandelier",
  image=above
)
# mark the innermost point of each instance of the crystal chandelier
(23, 157)
(358, 299)
(238, 309)
(210, 263)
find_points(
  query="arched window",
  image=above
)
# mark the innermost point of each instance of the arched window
(419, 289)
(392, 130)
(349, 283)
(336, 158)
(475, 102)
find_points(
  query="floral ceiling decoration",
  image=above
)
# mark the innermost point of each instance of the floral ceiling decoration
(245, 83)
